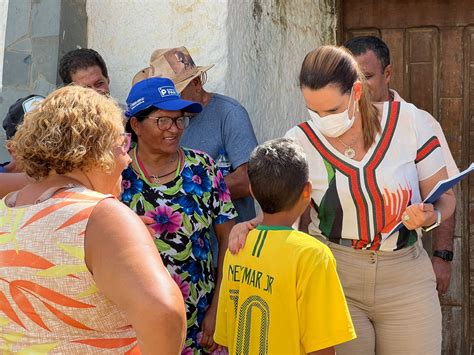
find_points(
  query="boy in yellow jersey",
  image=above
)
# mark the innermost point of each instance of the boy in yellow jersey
(281, 294)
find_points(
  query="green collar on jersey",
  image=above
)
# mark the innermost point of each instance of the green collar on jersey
(261, 227)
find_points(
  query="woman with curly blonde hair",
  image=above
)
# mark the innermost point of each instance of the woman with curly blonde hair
(78, 268)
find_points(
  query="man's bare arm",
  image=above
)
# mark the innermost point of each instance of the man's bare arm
(12, 182)
(443, 237)
(238, 182)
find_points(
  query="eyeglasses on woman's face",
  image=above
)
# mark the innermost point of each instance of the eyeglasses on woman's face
(165, 123)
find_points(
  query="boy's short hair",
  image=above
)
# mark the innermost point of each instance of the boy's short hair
(360, 45)
(77, 59)
(278, 173)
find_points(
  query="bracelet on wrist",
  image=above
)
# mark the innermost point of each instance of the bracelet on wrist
(435, 224)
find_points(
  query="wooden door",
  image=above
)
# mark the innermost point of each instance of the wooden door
(432, 52)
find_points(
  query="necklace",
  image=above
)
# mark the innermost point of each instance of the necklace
(348, 151)
(158, 177)
(155, 178)
(89, 181)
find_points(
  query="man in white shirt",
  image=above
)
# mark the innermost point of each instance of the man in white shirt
(373, 57)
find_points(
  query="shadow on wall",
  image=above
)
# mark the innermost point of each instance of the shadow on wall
(268, 40)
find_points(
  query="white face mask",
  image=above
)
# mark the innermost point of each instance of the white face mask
(336, 124)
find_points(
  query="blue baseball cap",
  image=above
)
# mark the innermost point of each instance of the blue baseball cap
(160, 93)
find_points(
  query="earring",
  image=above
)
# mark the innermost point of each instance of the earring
(357, 107)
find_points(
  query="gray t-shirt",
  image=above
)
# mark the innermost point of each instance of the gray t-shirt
(224, 124)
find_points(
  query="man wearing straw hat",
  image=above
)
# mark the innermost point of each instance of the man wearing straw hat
(223, 124)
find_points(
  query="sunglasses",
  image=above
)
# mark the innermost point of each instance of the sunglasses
(165, 123)
(125, 146)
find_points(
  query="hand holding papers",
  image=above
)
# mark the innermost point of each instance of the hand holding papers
(440, 188)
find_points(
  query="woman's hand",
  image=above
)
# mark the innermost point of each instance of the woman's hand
(238, 235)
(419, 215)
(208, 326)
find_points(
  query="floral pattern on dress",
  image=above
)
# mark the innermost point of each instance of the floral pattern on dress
(183, 211)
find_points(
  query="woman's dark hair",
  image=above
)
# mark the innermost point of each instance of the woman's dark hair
(336, 66)
(140, 116)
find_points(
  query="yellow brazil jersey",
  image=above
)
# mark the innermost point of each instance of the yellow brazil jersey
(281, 295)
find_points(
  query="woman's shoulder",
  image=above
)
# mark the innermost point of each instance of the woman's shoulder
(83, 193)
(292, 132)
(112, 212)
(297, 133)
(406, 110)
(418, 118)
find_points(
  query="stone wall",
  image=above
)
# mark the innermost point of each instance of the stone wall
(3, 27)
(34, 40)
(257, 46)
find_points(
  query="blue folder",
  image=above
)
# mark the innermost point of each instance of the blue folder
(440, 188)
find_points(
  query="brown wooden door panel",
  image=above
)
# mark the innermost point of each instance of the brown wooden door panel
(384, 14)
(395, 38)
(451, 62)
(453, 338)
(432, 54)
(362, 32)
(421, 61)
(467, 146)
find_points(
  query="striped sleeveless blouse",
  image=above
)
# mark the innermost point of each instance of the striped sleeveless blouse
(49, 302)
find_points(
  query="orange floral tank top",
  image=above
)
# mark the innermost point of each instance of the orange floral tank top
(49, 302)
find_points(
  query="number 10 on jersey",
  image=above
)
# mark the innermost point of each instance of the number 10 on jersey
(254, 312)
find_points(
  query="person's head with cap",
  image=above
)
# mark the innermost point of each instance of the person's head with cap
(157, 114)
(17, 111)
(15, 115)
(177, 65)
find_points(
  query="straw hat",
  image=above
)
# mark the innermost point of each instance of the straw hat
(173, 63)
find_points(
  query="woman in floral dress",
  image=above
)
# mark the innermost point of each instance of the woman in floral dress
(184, 195)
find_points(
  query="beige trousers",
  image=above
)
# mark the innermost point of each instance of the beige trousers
(392, 299)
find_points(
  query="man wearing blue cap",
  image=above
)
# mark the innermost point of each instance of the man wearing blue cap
(183, 197)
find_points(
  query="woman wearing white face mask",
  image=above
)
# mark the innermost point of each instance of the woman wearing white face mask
(370, 169)
(334, 125)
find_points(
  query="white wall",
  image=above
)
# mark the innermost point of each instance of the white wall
(268, 42)
(125, 33)
(3, 27)
(257, 46)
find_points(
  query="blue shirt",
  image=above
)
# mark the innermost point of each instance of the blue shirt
(2, 167)
(224, 124)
